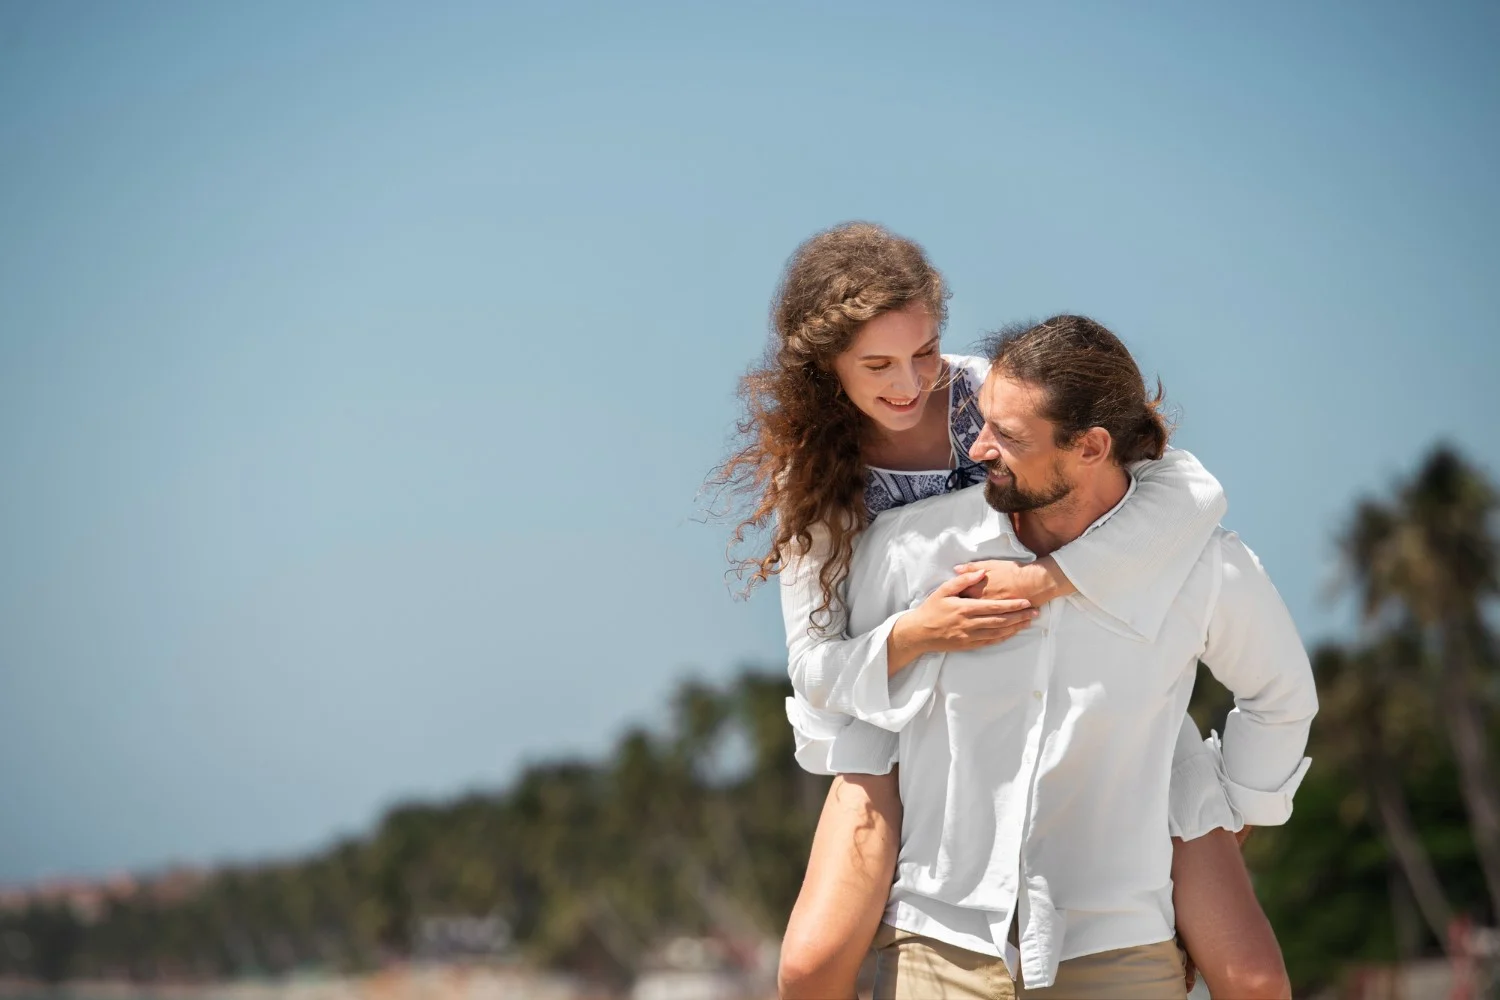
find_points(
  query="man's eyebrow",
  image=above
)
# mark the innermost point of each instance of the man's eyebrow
(886, 357)
(1014, 433)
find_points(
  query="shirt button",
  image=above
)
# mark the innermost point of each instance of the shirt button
(1037, 695)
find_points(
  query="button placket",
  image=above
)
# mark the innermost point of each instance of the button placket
(1031, 758)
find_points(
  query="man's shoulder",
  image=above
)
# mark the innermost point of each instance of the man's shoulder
(1223, 548)
(947, 510)
(906, 534)
(1237, 559)
(1240, 580)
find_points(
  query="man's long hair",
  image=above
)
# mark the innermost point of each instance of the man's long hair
(1088, 379)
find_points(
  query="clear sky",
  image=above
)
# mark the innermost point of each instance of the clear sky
(360, 362)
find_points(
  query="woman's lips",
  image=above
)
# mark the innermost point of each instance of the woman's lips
(906, 407)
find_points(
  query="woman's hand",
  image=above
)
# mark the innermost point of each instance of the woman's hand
(948, 622)
(1005, 579)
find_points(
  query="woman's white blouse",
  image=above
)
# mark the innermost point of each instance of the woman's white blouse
(1156, 538)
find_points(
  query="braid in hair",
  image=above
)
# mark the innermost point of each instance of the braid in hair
(799, 462)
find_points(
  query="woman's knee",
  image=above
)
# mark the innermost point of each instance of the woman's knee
(814, 970)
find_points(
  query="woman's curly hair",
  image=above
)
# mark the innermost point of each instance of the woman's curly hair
(799, 461)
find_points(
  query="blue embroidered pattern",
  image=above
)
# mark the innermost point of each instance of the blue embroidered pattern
(885, 489)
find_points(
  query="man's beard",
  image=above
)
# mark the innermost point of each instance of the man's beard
(1012, 499)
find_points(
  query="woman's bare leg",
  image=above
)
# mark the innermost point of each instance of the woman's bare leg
(844, 892)
(1221, 923)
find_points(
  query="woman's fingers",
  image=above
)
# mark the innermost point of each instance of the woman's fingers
(984, 564)
(1015, 619)
(994, 630)
(1002, 576)
(960, 583)
(994, 609)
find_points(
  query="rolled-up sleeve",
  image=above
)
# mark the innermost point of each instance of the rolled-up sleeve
(849, 674)
(824, 663)
(1252, 805)
(1134, 564)
(1254, 650)
(833, 743)
(1198, 801)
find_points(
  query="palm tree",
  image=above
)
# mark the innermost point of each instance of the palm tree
(1430, 557)
(1365, 697)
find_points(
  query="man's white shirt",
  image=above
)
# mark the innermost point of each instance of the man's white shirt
(1035, 773)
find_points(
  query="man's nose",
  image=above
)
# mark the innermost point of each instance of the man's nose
(985, 448)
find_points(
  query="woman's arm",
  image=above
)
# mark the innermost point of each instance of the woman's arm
(824, 662)
(833, 743)
(1133, 564)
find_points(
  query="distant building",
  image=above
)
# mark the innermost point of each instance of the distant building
(440, 937)
(690, 968)
(87, 898)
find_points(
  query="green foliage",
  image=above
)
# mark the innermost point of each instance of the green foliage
(590, 864)
(1422, 564)
(706, 827)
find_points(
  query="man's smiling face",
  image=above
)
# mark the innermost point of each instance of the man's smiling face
(1027, 469)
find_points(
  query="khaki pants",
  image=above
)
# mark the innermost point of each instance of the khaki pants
(911, 967)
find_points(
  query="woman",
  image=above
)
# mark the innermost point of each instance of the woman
(855, 411)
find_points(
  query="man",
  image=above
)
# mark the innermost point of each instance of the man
(1034, 774)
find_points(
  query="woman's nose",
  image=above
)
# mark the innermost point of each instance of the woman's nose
(908, 381)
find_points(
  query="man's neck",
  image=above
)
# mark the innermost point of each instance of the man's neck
(1046, 530)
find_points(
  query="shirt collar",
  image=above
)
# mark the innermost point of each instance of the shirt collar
(998, 525)
(1129, 489)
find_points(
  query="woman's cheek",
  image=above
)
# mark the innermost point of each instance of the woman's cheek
(867, 392)
(929, 371)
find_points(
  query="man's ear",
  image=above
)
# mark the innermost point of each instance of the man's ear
(1094, 446)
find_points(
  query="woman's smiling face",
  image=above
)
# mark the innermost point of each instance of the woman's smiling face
(891, 367)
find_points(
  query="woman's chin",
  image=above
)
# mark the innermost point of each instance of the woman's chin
(891, 419)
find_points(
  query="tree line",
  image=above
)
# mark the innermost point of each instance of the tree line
(703, 828)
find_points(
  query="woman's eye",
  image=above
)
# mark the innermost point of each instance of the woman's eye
(877, 368)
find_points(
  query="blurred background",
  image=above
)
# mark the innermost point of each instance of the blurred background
(362, 627)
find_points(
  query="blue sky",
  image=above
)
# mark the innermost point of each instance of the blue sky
(360, 362)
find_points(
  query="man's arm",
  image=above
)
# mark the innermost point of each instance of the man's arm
(1134, 564)
(1254, 650)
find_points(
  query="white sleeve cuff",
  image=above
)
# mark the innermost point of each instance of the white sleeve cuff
(1257, 807)
(886, 700)
(831, 743)
(1198, 799)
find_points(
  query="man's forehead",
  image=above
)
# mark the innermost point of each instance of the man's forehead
(1002, 397)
